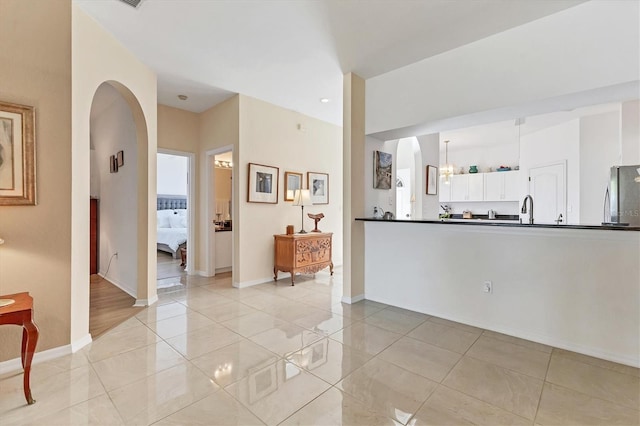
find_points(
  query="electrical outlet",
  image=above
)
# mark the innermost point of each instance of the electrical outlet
(487, 287)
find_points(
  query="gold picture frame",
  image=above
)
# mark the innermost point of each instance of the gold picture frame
(17, 155)
(292, 181)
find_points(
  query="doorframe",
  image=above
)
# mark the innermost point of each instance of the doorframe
(191, 196)
(210, 251)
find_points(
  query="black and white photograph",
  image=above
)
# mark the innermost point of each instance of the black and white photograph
(263, 184)
(318, 184)
(292, 181)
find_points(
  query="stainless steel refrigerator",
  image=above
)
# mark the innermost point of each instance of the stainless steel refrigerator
(625, 195)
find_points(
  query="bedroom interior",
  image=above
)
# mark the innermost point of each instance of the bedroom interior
(172, 219)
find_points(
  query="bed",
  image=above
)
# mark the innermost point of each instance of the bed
(172, 223)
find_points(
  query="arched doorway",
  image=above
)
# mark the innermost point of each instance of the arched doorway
(137, 204)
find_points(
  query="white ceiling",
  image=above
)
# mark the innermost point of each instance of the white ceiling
(292, 53)
(510, 131)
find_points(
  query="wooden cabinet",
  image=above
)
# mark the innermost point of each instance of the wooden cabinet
(94, 240)
(501, 186)
(469, 187)
(305, 253)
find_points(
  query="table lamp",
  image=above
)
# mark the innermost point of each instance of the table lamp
(5, 302)
(302, 197)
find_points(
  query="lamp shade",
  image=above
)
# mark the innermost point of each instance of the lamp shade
(302, 197)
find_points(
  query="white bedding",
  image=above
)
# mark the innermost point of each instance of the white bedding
(172, 237)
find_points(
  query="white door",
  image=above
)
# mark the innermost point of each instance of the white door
(547, 186)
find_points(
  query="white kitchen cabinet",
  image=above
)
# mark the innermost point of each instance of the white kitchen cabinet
(468, 187)
(444, 190)
(501, 186)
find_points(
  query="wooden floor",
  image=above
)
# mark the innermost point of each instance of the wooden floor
(108, 307)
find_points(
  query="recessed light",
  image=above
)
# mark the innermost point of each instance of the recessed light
(324, 100)
(182, 97)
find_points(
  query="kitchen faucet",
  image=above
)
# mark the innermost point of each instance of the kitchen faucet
(524, 208)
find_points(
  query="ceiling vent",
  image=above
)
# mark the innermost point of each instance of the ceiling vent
(132, 3)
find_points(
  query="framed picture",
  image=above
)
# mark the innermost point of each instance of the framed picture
(292, 181)
(318, 184)
(432, 180)
(17, 155)
(263, 184)
(113, 164)
(120, 158)
(382, 163)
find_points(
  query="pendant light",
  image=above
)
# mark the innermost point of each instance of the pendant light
(447, 169)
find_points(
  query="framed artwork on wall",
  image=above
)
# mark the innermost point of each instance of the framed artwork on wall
(382, 168)
(263, 184)
(113, 164)
(17, 155)
(292, 181)
(318, 184)
(432, 180)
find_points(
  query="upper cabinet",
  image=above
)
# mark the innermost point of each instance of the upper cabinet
(444, 190)
(501, 186)
(469, 187)
(496, 186)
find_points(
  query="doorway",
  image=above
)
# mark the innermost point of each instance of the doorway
(221, 226)
(114, 268)
(175, 218)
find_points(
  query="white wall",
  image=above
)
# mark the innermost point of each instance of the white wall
(172, 174)
(553, 145)
(483, 155)
(98, 57)
(113, 130)
(270, 135)
(583, 48)
(630, 133)
(429, 149)
(599, 150)
(482, 208)
(569, 288)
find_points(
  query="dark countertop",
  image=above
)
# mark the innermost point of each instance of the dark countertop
(507, 223)
(223, 229)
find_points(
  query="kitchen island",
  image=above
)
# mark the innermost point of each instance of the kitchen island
(575, 287)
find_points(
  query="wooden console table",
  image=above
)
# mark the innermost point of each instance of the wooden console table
(306, 253)
(21, 313)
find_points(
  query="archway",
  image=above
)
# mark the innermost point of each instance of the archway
(141, 205)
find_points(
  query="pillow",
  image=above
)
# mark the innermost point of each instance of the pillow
(178, 221)
(163, 219)
(181, 212)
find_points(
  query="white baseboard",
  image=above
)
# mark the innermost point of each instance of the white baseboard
(15, 364)
(146, 302)
(119, 285)
(351, 300)
(225, 269)
(81, 343)
(202, 274)
(245, 284)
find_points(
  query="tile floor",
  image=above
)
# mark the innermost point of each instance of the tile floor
(274, 354)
